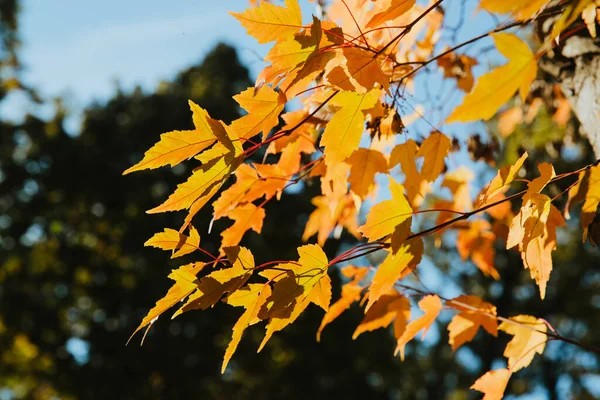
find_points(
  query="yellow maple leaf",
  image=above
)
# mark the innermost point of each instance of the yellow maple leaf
(493, 384)
(434, 148)
(246, 177)
(389, 10)
(185, 284)
(365, 163)
(342, 134)
(431, 306)
(264, 106)
(292, 291)
(205, 181)
(216, 284)
(529, 338)
(269, 22)
(521, 9)
(180, 244)
(177, 146)
(252, 298)
(474, 313)
(394, 267)
(247, 216)
(495, 88)
(392, 307)
(386, 215)
(500, 182)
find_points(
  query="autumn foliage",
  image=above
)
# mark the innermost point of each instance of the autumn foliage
(349, 69)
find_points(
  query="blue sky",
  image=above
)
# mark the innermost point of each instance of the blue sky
(81, 49)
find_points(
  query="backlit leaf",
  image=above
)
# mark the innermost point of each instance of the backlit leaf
(177, 146)
(365, 164)
(493, 384)
(474, 313)
(434, 148)
(529, 338)
(386, 215)
(185, 284)
(342, 134)
(269, 22)
(431, 306)
(170, 239)
(495, 88)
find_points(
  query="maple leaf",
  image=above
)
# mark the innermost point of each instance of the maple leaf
(295, 289)
(395, 267)
(474, 313)
(586, 190)
(431, 306)
(533, 229)
(350, 294)
(263, 106)
(416, 186)
(365, 164)
(342, 134)
(269, 22)
(177, 146)
(205, 181)
(246, 177)
(389, 10)
(216, 284)
(493, 384)
(521, 9)
(246, 216)
(385, 216)
(392, 307)
(179, 243)
(434, 148)
(252, 298)
(185, 284)
(501, 181)
(495, 88)
(360, 69)
(529, 338)
(477, 242)
(458, 67)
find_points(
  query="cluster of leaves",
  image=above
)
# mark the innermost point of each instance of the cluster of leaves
(349, 78)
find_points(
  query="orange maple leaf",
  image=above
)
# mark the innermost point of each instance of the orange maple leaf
(493, 384)
(434, 148)
(365, 163)
(389, 10)
(392, 307)
(431, 306)
(474, 313)
(247, 216)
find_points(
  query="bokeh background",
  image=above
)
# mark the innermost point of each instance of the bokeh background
(85, 89)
